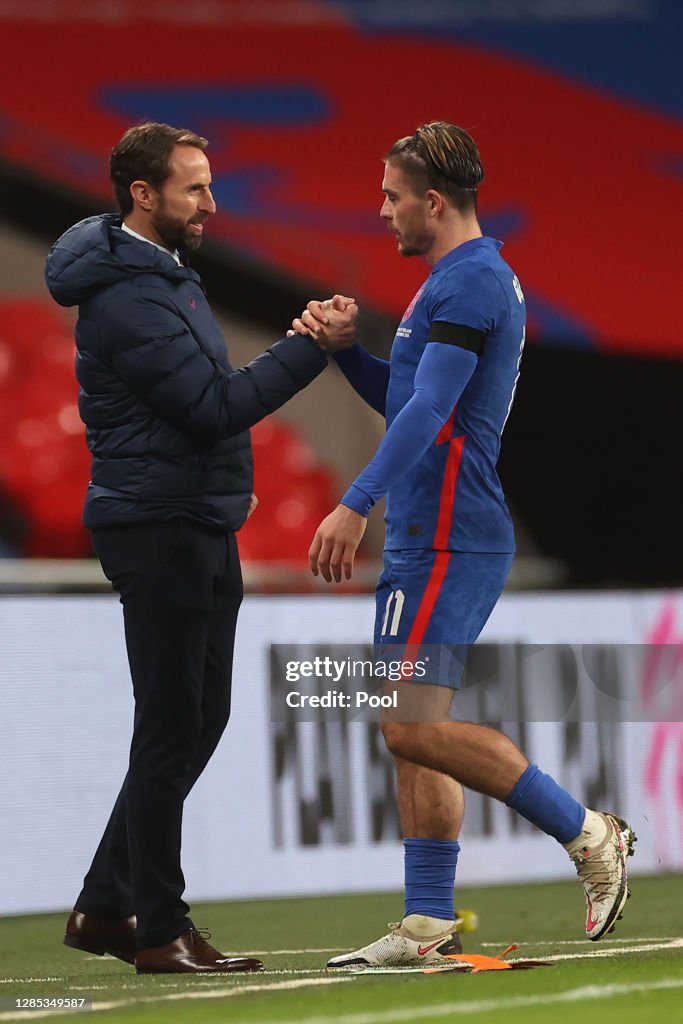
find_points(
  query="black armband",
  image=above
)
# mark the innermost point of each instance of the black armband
(459, 335)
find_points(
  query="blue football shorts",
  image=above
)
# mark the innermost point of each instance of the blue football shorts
(433, 605)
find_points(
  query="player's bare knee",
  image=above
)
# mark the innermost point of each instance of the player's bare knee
(396, 736)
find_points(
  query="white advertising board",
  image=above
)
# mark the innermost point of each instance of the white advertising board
(304, 808)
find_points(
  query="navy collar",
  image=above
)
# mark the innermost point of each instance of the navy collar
(137, 255)
(461, 251)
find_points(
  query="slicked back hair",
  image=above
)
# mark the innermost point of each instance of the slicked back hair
(442, 156)
(144, 154)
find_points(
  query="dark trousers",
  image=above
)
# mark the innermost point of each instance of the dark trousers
(181, 587)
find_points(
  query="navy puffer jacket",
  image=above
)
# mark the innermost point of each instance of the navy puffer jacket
(167, 418)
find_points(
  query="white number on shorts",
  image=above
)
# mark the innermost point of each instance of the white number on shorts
(396, 617)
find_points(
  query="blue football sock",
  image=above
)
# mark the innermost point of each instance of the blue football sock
(430, 876)
(539, 799)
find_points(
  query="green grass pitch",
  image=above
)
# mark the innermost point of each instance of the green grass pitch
(635, 975)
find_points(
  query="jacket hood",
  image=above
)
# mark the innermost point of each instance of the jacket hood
(96, 253)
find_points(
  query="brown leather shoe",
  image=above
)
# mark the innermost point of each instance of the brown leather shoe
(95, 935)
(191, 954)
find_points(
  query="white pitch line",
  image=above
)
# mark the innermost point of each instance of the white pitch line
(286, 952)
(584, 942)
(218, 979)
(27, 981)
(213, 993)
(221, 993)
(280, 972)
(591, 954)
(572, 995)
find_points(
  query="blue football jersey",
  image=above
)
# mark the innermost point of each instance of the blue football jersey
(452, 499)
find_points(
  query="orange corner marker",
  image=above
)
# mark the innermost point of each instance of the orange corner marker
(477, 962)
(473, 963)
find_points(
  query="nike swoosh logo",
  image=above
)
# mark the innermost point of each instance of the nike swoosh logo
(590, 923)
(422, 950)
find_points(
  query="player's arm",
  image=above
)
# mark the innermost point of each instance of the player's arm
(447, 364)
(150, 347)
(441, 377)
(336, 318)
(367, 374)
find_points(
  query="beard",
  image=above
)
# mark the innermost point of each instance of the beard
(414, 242)
(174, 233)
(413, 248)
(406, 249)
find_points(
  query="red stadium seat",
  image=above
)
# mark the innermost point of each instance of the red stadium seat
(44, 464)
(295, 492)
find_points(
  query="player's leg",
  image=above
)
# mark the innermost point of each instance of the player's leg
(431, 808)
(431, 804)
(457, 593)
(489, 762)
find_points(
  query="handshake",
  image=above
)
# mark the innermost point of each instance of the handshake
(331, 324)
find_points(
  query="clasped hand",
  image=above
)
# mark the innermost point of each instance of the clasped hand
(331, 324)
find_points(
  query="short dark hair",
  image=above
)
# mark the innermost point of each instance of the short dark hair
(143, 154)
(442, 156)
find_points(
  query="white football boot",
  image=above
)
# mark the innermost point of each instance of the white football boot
(418, 941)
(599, 853)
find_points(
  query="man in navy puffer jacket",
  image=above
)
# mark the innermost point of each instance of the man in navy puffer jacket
(167, 422)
